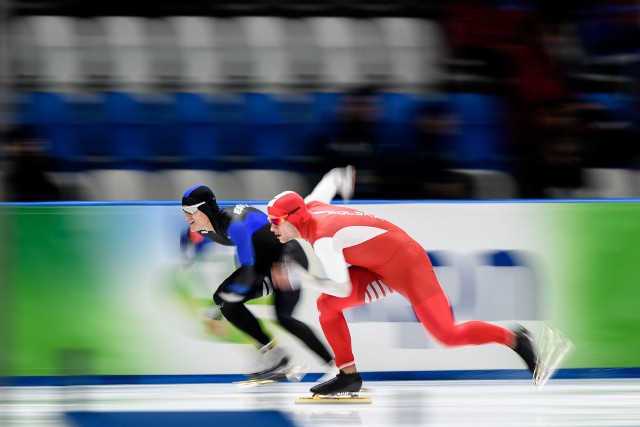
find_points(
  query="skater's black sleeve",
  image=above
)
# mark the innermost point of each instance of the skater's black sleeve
(294, 252)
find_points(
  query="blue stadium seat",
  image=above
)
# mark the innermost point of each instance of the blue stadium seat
(298, 114)
(95, 146)
(603, 30)
(129, 135)
(621, 106)
(198, 134)
(477, 108)
(480, 142)
(326, 107)
(233, 135)
(268, 139)
(281, 126)
(50, 115)
(159, 115)
(398, 121)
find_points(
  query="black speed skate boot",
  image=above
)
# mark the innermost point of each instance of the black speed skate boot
(342, 383)
(275, 363)
(524, 347)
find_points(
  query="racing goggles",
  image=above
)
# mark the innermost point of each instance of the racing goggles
(193, 208)
(279, 220)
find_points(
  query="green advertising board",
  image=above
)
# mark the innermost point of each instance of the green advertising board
(102, 290)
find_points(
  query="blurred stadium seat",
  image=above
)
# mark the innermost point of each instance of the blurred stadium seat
(491, 184)
(199, 65)
(260, 184)
(397, 122)
(46, 52)
(95, 148)
(76, 185)
(373, 59)
(298, 113)
(621, 106)
(245, 96)
(269, 142)
(51, 116)
(416, 49)
(607, 183)
(118, 184)
(127, 184)
(164, 57)
(234, 142)
(225, 185)
(231, 50)
(281, 125)
(305, 56)
(128, 52)
(339, 59)
(480, 142)
(128, 132)
(93, 52)
(267, 45)
(160, 119)
(2, 190)
(197, 133)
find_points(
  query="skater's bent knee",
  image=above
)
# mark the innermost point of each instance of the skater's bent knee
(228, 307)
(285, 320)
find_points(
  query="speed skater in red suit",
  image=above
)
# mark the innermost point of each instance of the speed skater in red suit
(364, 258)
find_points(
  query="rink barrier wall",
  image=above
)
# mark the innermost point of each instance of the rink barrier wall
(97, 274)
(498, 374)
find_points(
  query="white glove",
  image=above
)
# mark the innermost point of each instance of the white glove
(296, 274)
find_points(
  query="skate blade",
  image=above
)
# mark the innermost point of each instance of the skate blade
(554, 348)
(291, 374)
(255, 383)
(334, 398)
(295, 373)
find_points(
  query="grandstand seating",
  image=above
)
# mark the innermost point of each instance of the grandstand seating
(134, 105)
(46, 51)
(52, 116)
(480, 141)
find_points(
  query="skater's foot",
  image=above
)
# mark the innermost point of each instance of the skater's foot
(554, 347)
(278, 370)
(524, 347)
(274, 362)
(329, 372)
(342, 383)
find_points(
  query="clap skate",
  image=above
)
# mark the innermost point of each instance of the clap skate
(344, 388)
(283, 371)
(524, 347)
(554, 347)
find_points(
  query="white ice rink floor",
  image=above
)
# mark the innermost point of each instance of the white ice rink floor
(579, 403)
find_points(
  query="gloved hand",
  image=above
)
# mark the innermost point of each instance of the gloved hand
(288, 275)
(191, 245)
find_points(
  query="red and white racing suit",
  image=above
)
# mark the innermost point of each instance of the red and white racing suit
(377, 258)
